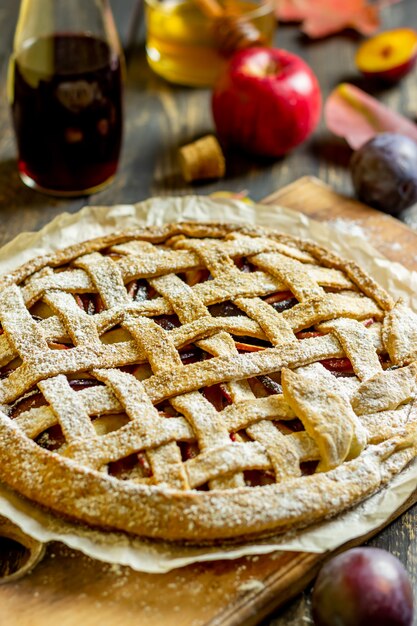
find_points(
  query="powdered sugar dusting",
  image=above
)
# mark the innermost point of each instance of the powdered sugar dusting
(217, 501)
(349, 227)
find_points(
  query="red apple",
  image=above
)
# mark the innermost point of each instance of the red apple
(388, 56)
(267, 101)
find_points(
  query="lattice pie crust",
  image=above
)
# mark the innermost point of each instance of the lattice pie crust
(202, 382)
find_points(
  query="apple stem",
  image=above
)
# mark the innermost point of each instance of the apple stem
(272, 68)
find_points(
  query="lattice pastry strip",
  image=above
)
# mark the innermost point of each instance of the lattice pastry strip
(184, 302)
(148, 433)
(160, 350)
(226, 369)
(21, 330)
(165, 459)
(154, 343)
(84, 357)
(240, 415)
(298, 279)
(355, 273)
(211, 435)
(188, 307)
(400, 334)
(84, 329)
(229, 459)
(74, 361)
(79, 326)
(107, 278)
(95, 400)
(69, 409)
(358, 344)
(331, 306)
(282, 451)
(140, 435)
(240, 391)
(394, 422)
(274, 325)
(76, 281)
(386, 391)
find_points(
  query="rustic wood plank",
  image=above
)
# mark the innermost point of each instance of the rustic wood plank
(312, 197)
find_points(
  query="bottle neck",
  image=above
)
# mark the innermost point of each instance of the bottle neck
(40, 18)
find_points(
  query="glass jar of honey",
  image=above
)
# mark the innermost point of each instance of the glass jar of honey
(180, 45)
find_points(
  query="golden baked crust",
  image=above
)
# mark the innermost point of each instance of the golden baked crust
(202, 382)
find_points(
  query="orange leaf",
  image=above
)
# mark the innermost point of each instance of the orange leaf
(324, 17)
(353, 114)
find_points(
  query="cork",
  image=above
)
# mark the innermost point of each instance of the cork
(202, 159)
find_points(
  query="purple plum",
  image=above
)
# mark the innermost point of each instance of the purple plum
(363, 587)
(384, 172)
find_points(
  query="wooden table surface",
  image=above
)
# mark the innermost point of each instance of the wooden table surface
(161, 117)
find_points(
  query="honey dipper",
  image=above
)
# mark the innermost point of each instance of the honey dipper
(231, 31)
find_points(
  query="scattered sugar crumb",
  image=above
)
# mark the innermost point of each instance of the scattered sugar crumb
(348, 227)
(395, 246)
(251, 585)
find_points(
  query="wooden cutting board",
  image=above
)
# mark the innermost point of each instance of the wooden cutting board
(69, 589)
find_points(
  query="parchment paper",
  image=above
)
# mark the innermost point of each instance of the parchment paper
(155, 557)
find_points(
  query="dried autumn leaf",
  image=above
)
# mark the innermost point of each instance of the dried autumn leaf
(353, 114)
(324, 17)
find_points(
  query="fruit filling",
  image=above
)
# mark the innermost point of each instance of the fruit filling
(281, 301)
(192, 354)
(167, 322)
(51, 439)
(34, 398)
(225, 309)
(134, 466)
(258, 478)
(30, 400)
(193, 277)
(140, 290)
(91, 303)
(244, 265)
(218, 396)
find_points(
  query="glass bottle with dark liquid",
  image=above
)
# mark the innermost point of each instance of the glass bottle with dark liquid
(65, 89)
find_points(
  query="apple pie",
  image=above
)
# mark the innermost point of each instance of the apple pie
(202, 383)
